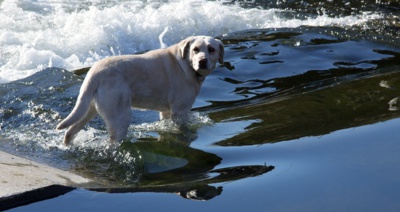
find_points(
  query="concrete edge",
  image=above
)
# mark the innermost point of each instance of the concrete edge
(23, 181)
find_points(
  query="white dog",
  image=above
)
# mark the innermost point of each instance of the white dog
(167, 80)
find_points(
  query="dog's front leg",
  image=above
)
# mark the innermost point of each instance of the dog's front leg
(181, 120)
(186, 133)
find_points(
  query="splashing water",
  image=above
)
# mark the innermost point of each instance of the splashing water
(74, 34)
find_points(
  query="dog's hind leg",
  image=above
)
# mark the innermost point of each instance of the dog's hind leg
(114, 106)
(76, 127)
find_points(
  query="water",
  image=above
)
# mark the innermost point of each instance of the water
(74, 34)
(302, 116)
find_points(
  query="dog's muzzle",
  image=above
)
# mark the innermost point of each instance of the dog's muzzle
(203, 64)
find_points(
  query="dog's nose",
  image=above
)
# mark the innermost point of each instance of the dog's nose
(203, 63)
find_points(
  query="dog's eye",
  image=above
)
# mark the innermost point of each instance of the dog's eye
(211, 49)
(195, 49)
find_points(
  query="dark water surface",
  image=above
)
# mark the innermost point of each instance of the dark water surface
(297, 119)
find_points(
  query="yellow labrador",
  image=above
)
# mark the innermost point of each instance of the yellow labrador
(167, 80)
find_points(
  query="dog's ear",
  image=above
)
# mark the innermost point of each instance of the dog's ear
(221, 52)
(184, 46)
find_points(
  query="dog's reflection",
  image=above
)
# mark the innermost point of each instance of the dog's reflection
(170, 165)
(202, 192)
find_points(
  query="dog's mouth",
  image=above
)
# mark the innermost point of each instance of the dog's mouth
(199, 67)
(202, 73)
(203, 66)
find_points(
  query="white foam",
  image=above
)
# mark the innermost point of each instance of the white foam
(73, 34)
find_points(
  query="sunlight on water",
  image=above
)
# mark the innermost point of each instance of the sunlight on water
(91, 148)
(74, 34)
(196, 120)
(44, 139)
(308, 90)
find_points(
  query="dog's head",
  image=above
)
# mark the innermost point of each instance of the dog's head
(202, 53)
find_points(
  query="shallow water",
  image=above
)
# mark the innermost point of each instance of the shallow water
(298, 118)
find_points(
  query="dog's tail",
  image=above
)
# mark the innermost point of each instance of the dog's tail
(83, 103)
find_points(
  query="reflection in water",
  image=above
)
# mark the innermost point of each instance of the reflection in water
(340, 106)
(201, 193)
(267, 72)
(163, 163)
(274, 92)
(190, 180)
(280, 84)
(333, 86)
(393, 104)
